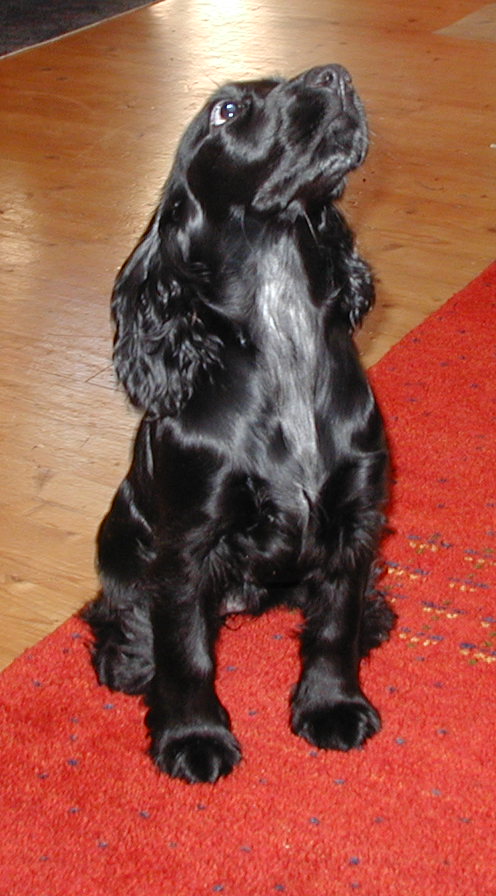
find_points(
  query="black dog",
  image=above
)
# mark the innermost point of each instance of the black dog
(259, 468)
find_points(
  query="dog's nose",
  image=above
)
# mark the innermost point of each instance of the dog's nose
(333, 76)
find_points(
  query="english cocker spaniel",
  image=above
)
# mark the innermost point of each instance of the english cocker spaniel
(259, 472)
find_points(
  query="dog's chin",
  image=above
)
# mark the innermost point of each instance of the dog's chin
(325, 180)
(326, 186)
(309, 197)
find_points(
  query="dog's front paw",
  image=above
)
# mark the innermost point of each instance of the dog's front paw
(340, 725)
(196, 756)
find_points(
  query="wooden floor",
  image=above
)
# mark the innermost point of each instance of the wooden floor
(88, 126)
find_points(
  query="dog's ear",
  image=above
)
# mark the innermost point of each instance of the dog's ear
(162, 345)
(352, 289)
(358, 294)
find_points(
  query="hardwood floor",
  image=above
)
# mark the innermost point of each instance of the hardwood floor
(88, 127)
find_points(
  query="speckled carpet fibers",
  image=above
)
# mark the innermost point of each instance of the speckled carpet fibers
(25, 23)
(84, 813)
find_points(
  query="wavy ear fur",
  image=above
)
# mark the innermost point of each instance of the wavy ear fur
(162, 345)
(352, 285)
(358, 296)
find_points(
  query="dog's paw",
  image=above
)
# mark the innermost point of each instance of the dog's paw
(378, 620)
(123, 667)
(341, 725)
(123, 649)
(196, 756)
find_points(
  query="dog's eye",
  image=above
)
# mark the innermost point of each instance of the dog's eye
(223, 111)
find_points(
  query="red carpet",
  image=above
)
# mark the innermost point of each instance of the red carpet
(413, 814)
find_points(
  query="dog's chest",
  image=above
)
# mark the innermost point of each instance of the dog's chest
(288, 337)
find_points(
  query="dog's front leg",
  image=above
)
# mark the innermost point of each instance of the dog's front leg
(329, 709)
(190, 729)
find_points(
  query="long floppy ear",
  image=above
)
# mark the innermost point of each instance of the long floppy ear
(351, 279)
(162, 344)
(358, 295)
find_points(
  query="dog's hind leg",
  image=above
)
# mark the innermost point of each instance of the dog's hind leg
(377, 620)
(123, 652)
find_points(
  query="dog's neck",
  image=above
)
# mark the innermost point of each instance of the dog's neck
(288, 324)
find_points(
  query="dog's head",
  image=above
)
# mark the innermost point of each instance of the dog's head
(270, 149)
(275, 145)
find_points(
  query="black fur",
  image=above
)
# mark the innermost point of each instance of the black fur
(260, 465)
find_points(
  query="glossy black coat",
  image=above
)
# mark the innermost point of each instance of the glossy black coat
(259, 473)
